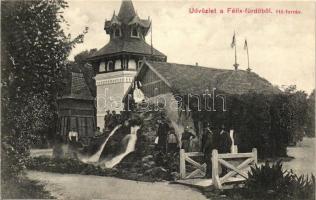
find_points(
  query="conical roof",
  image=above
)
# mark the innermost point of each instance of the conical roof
(127, 11)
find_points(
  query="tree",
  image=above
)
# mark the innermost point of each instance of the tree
(86, 68)
(33, 57)
(310, 126)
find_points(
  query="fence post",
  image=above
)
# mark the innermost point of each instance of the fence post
(215, 176)
(255, 155)
(182, 164)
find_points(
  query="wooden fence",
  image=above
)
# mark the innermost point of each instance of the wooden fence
(227, 160)
(186, 157)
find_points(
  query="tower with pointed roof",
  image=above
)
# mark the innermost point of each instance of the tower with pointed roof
(117, 62)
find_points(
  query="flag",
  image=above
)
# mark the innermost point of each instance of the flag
(233, 42)
(245, 45)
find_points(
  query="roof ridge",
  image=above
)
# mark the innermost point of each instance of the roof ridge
(187, 65)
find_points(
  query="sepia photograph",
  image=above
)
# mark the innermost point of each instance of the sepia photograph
(158, 99)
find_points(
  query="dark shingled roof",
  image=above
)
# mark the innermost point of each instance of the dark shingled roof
(76, 86)
(128, 45)
(127, 11)
(185, 79)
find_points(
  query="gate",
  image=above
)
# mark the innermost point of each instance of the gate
(228, 160)
(236, 163)
(200, 169)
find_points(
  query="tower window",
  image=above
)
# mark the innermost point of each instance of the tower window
(110, 66)
(134, 32)
(117, 32)
(102, 67)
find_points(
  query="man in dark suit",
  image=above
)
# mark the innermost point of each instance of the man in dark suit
(207, 148)
(162, 133)
(225, 144)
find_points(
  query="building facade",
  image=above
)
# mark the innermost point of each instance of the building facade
(76, 109)
(117, 62)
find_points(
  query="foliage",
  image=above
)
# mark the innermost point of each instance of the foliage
(268, 122)
(23, 188)
(67, 165)
(86, 68)
(271, 182)
(169, 161)
(81, 57)
(34, 53)
(72, 166)
(310, 127)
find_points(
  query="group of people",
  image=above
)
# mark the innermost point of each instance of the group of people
(168, 141)
(111, 119)
(219, 140)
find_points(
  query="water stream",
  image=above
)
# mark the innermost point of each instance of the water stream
(130, 147)
(95, 157)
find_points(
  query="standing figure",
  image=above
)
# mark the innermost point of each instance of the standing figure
(225, 144)
(113, 121)
(207, 147)
(163, 129)
(97, 132)
(73, 139)
(173, 141)
(107, 119)
(185, 139)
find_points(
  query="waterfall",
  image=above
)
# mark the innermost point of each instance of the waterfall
(95, 157)
(130, 147)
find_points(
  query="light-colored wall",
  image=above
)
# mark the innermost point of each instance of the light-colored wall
(111, 88)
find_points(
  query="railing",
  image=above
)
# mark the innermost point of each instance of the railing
(185, 157)
(227, 160)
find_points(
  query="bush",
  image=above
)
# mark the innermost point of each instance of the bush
(268, 122)
(271, 182)
(65, 165)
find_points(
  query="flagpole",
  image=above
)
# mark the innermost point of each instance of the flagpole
(151, 37)
(246, 46)
(235, 55)
(248, 56)
(236, 64)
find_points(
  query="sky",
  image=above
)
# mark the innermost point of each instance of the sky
(281, 46)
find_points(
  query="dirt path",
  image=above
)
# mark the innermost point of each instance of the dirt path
(77, 187)
(304, 157)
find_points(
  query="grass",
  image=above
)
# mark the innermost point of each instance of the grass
(23, 188)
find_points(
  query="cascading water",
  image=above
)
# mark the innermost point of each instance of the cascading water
(130, 147)
(95, 157)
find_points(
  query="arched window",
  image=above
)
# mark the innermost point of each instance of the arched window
(117, 65)
(102, 67)
(134, 32)
(110, 66)
(132, 64)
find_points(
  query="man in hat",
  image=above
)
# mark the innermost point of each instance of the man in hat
(162, 133)
(107, 119)
(208, 145)
(224, 145)
(187, 135)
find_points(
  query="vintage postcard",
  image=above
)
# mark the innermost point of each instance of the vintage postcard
(158, 100)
